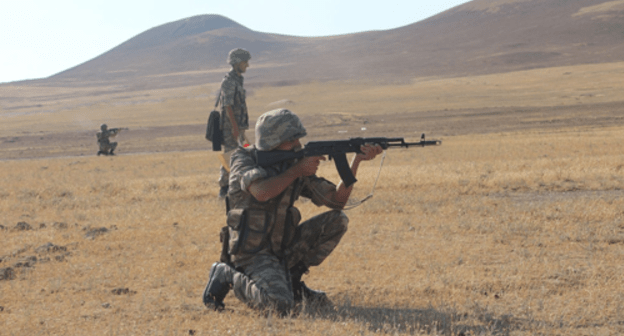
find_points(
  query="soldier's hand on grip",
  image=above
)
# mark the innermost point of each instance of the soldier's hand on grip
(369, 152)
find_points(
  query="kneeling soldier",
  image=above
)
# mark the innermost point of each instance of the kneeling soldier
(103, 137)
(270, 249)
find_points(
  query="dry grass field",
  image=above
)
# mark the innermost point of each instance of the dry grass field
(49, 122)
(514, 226)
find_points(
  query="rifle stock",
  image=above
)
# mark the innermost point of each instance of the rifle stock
(337, 150)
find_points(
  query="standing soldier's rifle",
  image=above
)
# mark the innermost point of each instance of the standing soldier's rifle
(337, 150)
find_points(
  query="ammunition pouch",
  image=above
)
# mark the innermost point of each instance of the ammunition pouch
(247, 230)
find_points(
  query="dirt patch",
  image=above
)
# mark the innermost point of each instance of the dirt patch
(7, 273)
(123, 291)
(22, 226)
(93, 233)
(405, 124)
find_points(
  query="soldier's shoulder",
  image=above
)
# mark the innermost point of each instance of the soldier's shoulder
(229, 77)
(241, 162)
(244, 151)
(246, 154)
(228, 84)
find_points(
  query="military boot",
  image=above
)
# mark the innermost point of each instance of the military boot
(301, 291)
(219, 285)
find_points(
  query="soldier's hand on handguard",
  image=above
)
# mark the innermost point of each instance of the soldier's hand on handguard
(308, 165)
(369, 152)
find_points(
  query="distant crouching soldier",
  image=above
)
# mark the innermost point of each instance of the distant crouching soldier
(103, 137)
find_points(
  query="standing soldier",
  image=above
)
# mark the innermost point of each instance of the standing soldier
(235, 119)
(270, 251)
(107, 147)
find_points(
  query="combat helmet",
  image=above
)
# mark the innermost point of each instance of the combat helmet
(103, 127)
(276, 127)
(238, 55)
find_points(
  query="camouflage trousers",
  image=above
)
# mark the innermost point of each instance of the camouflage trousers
(107, 147)
(230, 143)
(266, 283)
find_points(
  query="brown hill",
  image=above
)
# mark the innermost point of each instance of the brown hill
(482, 36)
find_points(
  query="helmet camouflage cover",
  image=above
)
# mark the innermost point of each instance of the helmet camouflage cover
(276, 127)
(238, 55)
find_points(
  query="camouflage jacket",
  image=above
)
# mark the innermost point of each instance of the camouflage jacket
(103, 136)
(233, 94)
(266, 227)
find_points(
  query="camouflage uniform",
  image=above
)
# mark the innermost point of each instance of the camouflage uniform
(233, 94)
(106, 147)
(266, 239)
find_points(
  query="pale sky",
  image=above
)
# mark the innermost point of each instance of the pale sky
(39, 38)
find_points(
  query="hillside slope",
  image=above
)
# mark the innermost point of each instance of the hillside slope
(482, 36)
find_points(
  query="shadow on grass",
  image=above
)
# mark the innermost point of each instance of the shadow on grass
(417, 321)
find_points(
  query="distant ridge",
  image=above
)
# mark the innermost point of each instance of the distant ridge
(184, 45)
(479, 37)
(183, 28)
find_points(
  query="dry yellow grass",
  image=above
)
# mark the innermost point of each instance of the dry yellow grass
(512, 233)
(517, 233)
(84, 109)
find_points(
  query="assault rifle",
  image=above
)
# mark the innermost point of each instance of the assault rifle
(119, 129)
(337, 150)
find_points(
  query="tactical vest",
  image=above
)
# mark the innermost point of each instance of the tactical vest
(101, 137)
(267, 226)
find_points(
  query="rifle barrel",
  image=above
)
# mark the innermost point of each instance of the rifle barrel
(420, 143)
